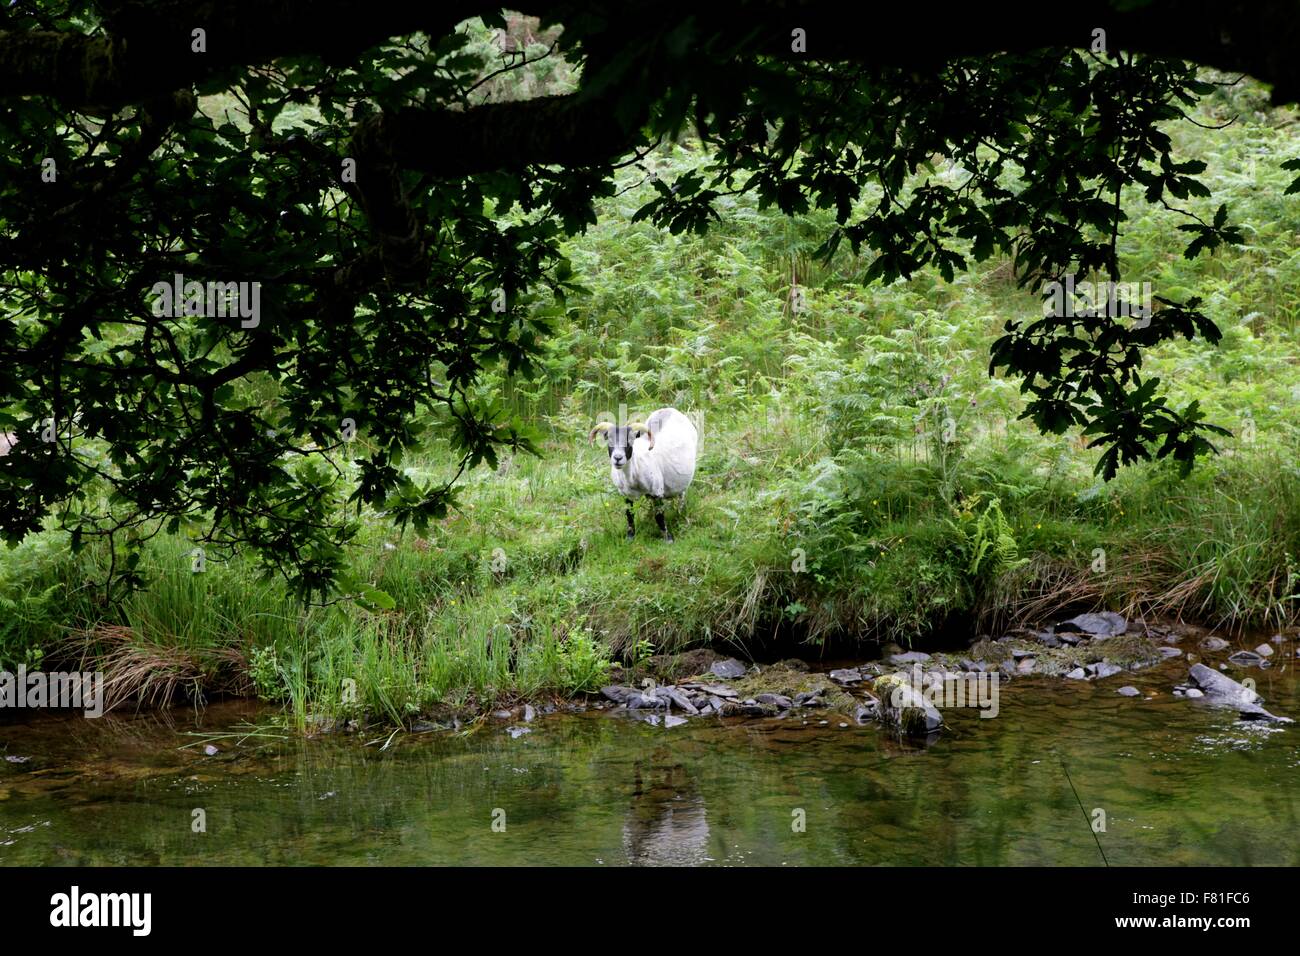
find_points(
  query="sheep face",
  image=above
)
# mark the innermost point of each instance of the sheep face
(619, 439)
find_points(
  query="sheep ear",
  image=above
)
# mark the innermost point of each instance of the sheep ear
(600, 429)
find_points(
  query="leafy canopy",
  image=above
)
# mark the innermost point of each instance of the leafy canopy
(404, 233)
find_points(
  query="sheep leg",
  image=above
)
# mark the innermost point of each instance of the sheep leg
(661, 520)
(631, 524)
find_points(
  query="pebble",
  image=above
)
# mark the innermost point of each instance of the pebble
(1129, 691)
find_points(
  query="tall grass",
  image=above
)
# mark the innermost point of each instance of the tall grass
(860, 476)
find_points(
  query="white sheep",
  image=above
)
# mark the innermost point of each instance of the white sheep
(655, 459)
(7, 441)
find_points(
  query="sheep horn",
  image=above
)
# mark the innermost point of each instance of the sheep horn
(599, 430)
(642, 427)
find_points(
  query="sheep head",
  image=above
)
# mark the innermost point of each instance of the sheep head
(619, 438)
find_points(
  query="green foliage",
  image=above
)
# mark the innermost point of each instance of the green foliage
(418, 304)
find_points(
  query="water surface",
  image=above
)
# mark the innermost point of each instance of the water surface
(1180, 783)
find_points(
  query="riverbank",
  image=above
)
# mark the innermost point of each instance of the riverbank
(862, 480)
(1179, 782)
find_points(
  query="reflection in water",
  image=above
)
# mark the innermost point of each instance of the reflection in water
(1180, 783)
(666, 823)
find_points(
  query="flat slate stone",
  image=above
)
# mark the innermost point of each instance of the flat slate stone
(729, 669)
(1101, 624)
(1245, 659)
(910, 657)
(1223, 691)
(1213, 644)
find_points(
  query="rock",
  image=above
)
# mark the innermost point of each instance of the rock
(911, 657)
(846, 675)
(1245, 659)
(748, 708)
(529, 713)
(210, 750)
(809, 698)
(424, 727)
(867, 712)
(1103, 624)
(671, 720)
(729, 669)
(508, 714)
(1007, 667)
(779, 701)
(1213, 644)
(1077, 674)
(618, 695)
(1223, 691)
(1020, 652)
(14, 758)
(1027, 666)
(1128, 691)
(719, 690)
(969, 665)
(1069, 637)
(1170, 652)
(1278, 639)
(1190, 692)
(680, 699)
(517, 732)
(905, 707)
(650, 700)
(1264, 650)
(1103, 669)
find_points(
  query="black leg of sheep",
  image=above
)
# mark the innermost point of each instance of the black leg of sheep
(661, 520)
(631, 524)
